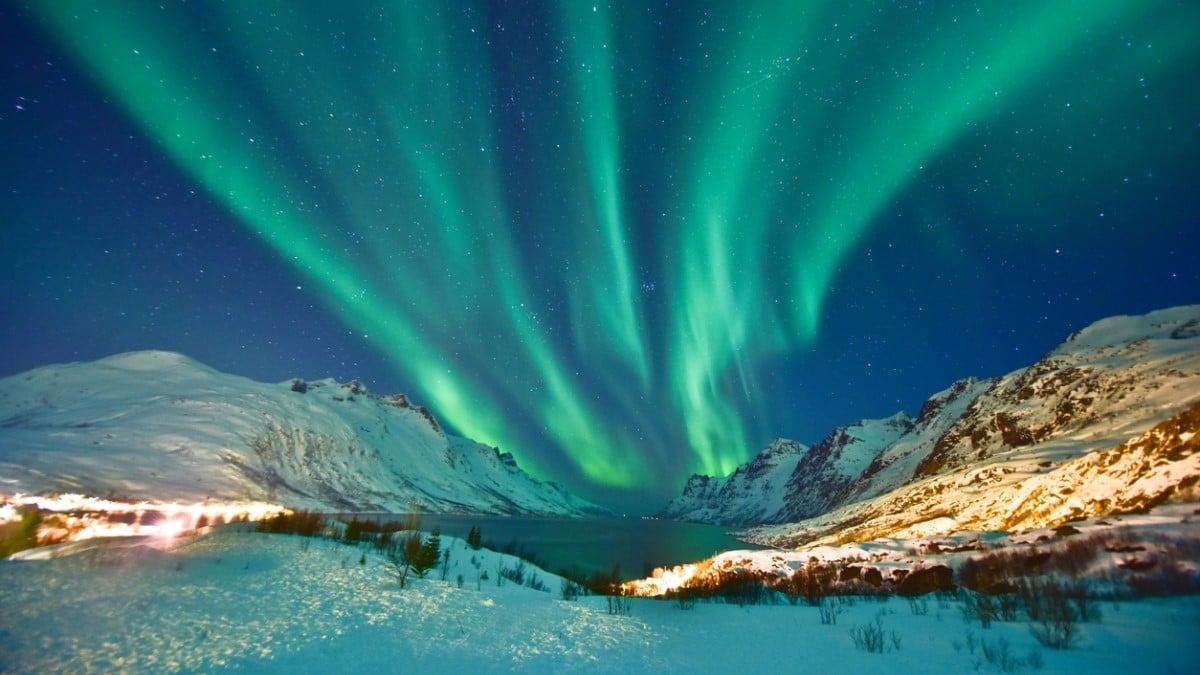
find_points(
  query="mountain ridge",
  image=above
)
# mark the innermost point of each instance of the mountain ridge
(161, 426)
(1103, 387)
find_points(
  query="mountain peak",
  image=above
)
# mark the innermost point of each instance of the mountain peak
(160, 426)
(152, 360)
(1175, 323)
(1105, 385)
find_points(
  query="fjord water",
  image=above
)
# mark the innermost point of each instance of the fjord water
(589, 545)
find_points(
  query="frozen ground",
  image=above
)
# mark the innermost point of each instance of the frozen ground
(235, 600)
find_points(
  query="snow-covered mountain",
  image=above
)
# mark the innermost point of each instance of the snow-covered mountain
(159, 426)
(752, 494)
(1103, 423)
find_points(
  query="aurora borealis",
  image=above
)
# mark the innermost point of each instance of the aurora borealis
(625, 241)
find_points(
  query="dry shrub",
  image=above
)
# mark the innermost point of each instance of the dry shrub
(737, 585)
(868, 637)
(302, 522)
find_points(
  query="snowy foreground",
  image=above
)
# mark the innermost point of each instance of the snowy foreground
(240, 600)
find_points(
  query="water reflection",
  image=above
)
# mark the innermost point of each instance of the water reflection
(589, 545)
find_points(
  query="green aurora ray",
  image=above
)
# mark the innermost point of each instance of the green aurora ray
(506, 273)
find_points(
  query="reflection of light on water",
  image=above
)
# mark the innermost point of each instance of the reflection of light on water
(77, 517)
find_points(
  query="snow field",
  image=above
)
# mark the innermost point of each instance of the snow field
(239, 600)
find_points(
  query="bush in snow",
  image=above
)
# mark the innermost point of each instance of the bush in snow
(474, 538)
(383, 541)
(999, 654)
(400, 569)
(742, 587)
(535, 583)
(979, 606)
(812, 581)
(302, 522)
(685, 599)
(604, 583)
(414, 553)
(427, 554)
(1161, 568)
(1170, 578)
(1057, 629)
(513, 574)
(989, 573)
(1041, 596)
(736, 585)
(353, 532)
(1076, 556)
(620, 605)
(829, 610)
(570, 590)
(999, 571)
(923, 580)
(868, 637)
(1055, 608)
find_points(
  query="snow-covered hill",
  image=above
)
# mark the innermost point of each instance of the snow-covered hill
(1072, 435)
(159, 426)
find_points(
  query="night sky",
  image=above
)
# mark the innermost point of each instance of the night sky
(627, 241)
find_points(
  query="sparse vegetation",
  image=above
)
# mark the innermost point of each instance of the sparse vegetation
(813, 581)
(999, 654)
(979, 606)
(868, 637)
(1054, 606)
(353, 532)
(301, 522)
(423, 554)
(620, 605)
(514, 574)
(570, 590)
(1048, 589)
(737, 586)
(829, 610)
(685, 599)
(1052, 587)
(1041, 584)
(474, 538)
(535, 583)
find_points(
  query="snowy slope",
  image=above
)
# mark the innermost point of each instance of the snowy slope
(750, 494)
(248, 602)
(896, 463)
(1025, 490)
(159, 426)
(829, 472)
(1105, 385)
(788, 480)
